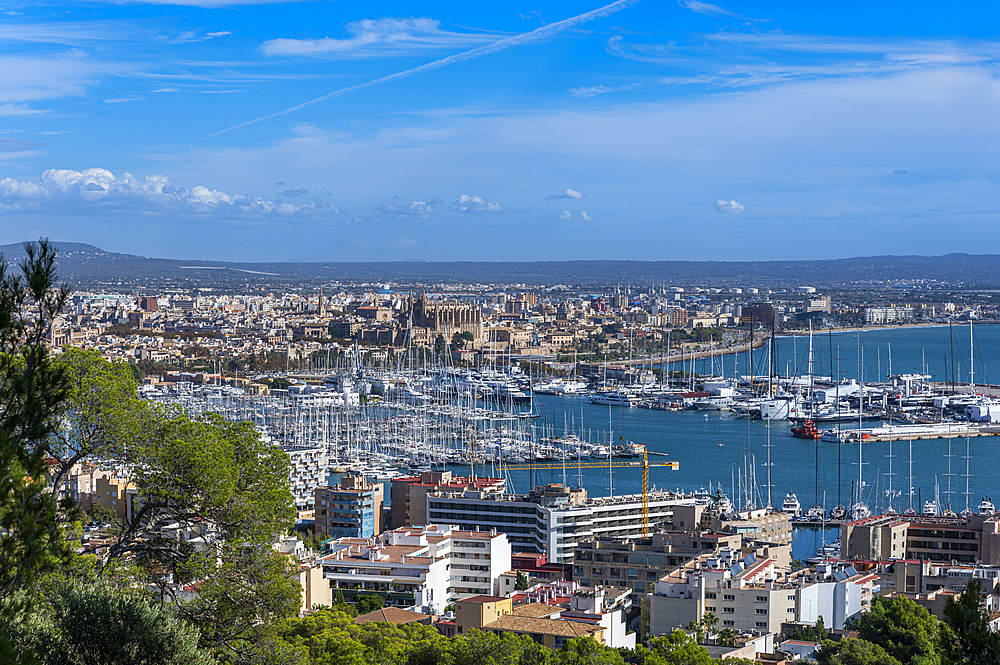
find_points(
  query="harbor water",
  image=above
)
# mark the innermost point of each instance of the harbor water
(718, 448)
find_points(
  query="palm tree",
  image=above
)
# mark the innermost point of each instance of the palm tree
(698, 629)
(710, 621)
(728, 637)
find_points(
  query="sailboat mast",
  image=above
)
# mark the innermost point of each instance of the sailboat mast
(972, 359)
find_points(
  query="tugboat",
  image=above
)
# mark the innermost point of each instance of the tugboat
(807, 430)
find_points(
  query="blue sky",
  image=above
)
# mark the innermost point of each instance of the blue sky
(646, 129)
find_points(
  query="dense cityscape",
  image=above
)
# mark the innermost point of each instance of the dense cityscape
(423, 472)
(545, 332)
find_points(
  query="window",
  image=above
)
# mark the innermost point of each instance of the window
(791, 598)
(761, 599)
(710, 596)
(728, 623)
(760, 610)
(728, 610)
(761, 624)
(709, 609)
(791, 610)
(728, 596)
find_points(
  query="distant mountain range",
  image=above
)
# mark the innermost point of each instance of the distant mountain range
(86, 265)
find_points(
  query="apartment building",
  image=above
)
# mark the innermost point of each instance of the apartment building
(408, 495)
(637, 563)
(553, 518)
(551, 615)
(352, 508)
(963, 540)
(915, 576)
(79, 483)
(883, 315)
(418, 566)
(112, 493)
(307, 471)
(750, 595)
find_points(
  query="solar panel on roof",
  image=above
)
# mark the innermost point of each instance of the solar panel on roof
(840, 576)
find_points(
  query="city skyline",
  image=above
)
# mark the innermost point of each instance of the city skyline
(640, 130)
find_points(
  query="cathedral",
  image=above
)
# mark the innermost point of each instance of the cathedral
(443, 317)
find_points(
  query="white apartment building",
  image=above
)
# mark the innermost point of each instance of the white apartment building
(551, 519)
(307, 472)
(425, 566)
(882, 315)
(751, 595)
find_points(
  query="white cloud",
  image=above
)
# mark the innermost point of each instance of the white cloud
(18, 109)
(414, 209)
(705, 8)
(594, 90)
(30, 78)
(566, 194)
(126, 98)
(581, 215)
(742, 59)
(380, 38)
(99, 189)
(466, 203)
(730, 206)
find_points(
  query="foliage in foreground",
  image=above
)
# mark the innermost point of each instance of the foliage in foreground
(96, 622)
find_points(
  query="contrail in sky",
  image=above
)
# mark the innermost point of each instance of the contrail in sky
(479, 51)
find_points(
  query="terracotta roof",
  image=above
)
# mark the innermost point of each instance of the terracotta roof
(537, 610)
(482, 599)
(390, 615)
(520, 624)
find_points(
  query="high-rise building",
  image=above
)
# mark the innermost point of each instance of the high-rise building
(352, 508)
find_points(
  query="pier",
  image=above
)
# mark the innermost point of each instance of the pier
(919, 432)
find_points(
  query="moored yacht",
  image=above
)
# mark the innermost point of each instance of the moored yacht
(791, 505)
(614, 397)
(816, 514)
(860, 511)
(714, 403)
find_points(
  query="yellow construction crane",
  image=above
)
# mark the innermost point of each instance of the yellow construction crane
(610, 464)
